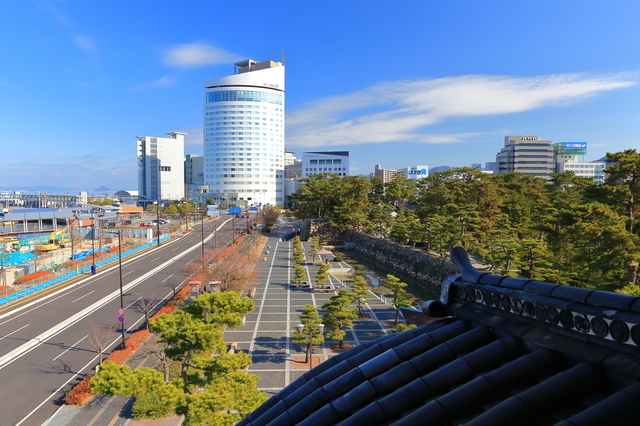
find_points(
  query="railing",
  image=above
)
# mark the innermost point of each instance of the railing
(21, 290)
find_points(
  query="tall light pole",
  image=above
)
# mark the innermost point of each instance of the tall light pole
(93, 244)
(158, 219)
(119, 232)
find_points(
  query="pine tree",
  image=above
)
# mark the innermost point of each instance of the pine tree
(398, 294)
(311, 333)
(360, 291)
(338, 315)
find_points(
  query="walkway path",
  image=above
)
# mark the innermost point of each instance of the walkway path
(266, 332)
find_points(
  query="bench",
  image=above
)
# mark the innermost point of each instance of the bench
(324, 289)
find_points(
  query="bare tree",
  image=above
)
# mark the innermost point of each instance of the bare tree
(174, 283)
(99, 337)
(145, 305)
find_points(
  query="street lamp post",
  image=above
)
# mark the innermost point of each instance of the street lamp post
(158, 221)
(119, 232)
(93, 245)
(310, 333)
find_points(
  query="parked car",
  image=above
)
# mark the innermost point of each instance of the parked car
(147, 225)
(162, 221)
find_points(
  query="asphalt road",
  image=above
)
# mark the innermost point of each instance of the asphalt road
(43, 337)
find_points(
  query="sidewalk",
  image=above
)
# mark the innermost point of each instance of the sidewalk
(264, 335)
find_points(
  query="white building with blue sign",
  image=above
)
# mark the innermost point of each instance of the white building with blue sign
(415, 172)
(244, 134)
(567, 155)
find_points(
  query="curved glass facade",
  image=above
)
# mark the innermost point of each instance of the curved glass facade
(244, 137)
(244, 96)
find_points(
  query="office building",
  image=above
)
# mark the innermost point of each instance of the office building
(195, 189)
(567, 155)
(161, 167)
(336, 162)
(244, 134)
(528, 155)
(387, 175)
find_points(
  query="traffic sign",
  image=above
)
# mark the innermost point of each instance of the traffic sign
(121, 318)
(120, 311)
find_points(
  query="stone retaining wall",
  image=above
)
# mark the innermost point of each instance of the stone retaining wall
(413, 263)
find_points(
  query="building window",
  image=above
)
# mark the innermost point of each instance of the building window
(165, 168)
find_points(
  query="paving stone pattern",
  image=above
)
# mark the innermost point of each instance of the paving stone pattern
(267, 330)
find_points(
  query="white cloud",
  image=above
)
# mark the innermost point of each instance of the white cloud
(192, 55)
(402, 111)
(166, 81)
(85, 43)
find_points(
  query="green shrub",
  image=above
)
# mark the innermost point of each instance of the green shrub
(338, 259)
(161, 402)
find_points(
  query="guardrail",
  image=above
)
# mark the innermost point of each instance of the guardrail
(57, 277)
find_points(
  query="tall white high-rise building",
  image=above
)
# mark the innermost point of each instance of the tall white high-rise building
(244, 134)
(161, 167)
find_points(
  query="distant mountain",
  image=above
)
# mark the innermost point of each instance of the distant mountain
(439, 169)
(102, 189)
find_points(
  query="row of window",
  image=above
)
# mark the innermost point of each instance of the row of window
(243, 138)
(269, 107)
(335, 161)
(242, 123)
(244, 96)
(325, 169)
(240, 112)
(244, 183)
(240, 144)
(339, 174)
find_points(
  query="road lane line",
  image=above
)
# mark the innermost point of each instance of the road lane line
(92, 291)
(167, 277)
(69, 348)
(14, 331)
(42, 337)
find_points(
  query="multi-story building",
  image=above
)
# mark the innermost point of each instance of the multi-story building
(292, 166)
(336, 162)
(195, 189)
(526, 154)
(387, 175)
(244, 134)
(161, 167)
(567, 159)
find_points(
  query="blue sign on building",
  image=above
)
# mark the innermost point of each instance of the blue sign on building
(235, 210)
(574, 145)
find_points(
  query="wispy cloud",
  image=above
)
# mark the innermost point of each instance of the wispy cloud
(193, 55)
(81, 41)
(166, 81)
(85, 44)
(403, 111)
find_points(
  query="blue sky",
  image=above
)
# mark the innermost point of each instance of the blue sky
(395, 83)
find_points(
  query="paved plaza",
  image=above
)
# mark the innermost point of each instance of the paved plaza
(267, 330)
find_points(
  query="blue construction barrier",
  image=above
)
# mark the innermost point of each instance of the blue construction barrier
(71, 274)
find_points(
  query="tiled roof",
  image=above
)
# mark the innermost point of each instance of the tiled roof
(509, 352)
